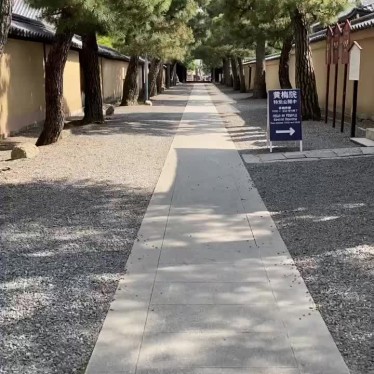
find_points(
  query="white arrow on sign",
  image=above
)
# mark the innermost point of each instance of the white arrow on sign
(291, 131)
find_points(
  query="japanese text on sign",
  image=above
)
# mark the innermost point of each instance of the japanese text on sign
(284, 115)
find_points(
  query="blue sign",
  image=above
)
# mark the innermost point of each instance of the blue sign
(284, 115)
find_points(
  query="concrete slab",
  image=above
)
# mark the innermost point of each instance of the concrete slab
(272, 157)
(212, 293)
(344, 152)
(251, 159)
(293, 155)
(223, 349)
(229, 271)
(320, 153)
(214, 318)
(368, 150)
(225, 370)
(313, 354)
(370, 134)
(364, 142)
(211, 253)
(115, 353)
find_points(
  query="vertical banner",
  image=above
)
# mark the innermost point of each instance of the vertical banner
(329, 36)
(346, 42)
(336, 44)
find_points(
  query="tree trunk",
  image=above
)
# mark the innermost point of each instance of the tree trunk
(168, 78)
(174, 74)
(153, 74)
(160, 78)
(235, 74)
(305, 77)
(241, 75)
(131, 84)
(259, 87)
(226, 71)
(54, 73)
(93, 102)
(284, 68)
(5, 20)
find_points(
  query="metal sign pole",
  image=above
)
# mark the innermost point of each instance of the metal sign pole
(327, 93)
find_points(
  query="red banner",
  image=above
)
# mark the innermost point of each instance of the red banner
(336, 44)
(346, 42)
(329, 35)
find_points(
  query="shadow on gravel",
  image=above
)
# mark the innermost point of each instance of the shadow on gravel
(240, 111)
(324, 211)
(63, 249)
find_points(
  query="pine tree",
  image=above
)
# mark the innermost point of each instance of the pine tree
(96, 19)
(251, 19)
(63, 17)
(303, 13)
(5, 20)
(82, 16)
(172, 38)
(134, 35)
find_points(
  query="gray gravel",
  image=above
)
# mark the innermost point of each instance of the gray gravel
(246, 119)
(68, 221)
(324, 211)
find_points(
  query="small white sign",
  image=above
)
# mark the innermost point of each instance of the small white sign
(354, 62)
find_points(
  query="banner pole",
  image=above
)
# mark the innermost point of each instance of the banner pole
(327, 93)
(344, 96)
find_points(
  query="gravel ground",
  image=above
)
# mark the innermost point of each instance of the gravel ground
(246, 120)
(324, 211)
(68, 221)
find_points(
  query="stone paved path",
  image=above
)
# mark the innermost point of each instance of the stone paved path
(210, 285)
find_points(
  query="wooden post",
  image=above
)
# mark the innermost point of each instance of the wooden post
(335, 61)
(250, 77)
(354, 109)
(343, 98)
(346, 45)
(328, 63)
(354, 75)
(335, 94)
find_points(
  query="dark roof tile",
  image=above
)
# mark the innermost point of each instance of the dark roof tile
(27, 24)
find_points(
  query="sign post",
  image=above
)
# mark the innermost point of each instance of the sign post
(284, 116)
(354, 75)
(146, 83)
(346, 44)
(335, 61)
(328, 64)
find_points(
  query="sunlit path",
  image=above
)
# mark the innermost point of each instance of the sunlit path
(210, 286)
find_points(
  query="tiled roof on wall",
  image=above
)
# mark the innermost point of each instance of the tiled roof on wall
(27, 24)
(362, 23)
(23, 27)
(21, 8)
